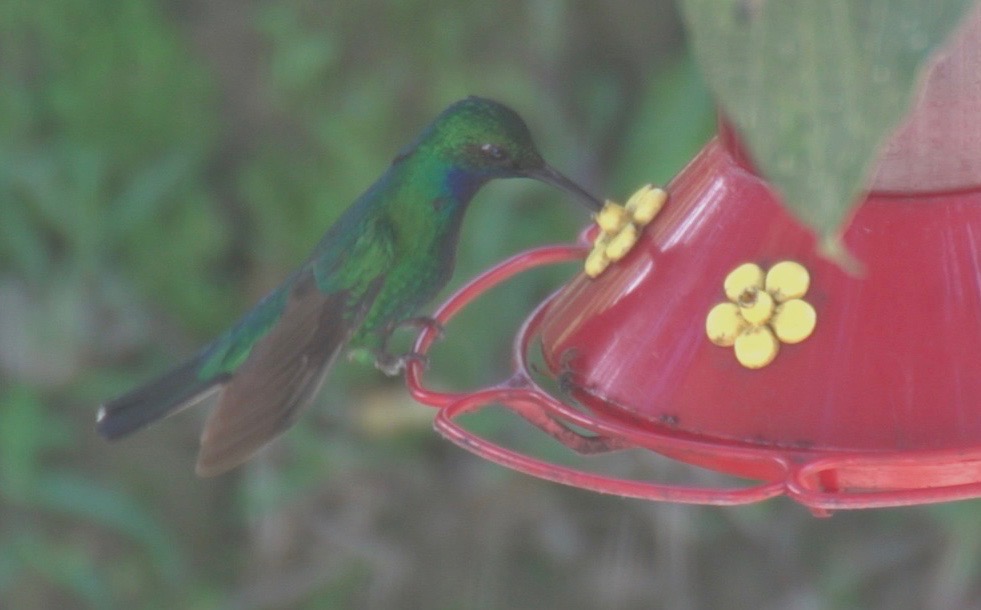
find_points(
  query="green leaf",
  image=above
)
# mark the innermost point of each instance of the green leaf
(815, 87)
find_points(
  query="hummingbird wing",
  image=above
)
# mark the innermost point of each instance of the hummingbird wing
(268, 366)
(282, 373)
(197, 379)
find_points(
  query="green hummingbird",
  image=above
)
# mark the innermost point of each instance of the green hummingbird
(386, 256)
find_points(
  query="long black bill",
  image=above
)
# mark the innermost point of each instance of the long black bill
(550, 175)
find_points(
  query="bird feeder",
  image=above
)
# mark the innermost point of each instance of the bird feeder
(723, 339)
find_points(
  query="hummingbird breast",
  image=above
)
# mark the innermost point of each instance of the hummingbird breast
(424, 256)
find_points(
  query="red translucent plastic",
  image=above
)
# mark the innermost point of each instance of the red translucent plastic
(879, 407)
(895, 359)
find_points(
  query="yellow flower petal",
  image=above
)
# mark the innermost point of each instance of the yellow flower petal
(596, 262)
(744, 277)
(612, 217)
(793, 321)
(756, 347)
(622, 242)
(787, 280)
(645, 204)
(724, 324)
(756, 306)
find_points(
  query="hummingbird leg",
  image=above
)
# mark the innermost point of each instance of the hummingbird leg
(421, 323)
(385, 361)
(393, 364)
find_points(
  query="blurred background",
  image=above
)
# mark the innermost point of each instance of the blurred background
(163, 164)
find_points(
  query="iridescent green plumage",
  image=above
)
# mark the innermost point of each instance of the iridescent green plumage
(384, 258)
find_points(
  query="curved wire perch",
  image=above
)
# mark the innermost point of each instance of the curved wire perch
(522, 396)
(446, 425)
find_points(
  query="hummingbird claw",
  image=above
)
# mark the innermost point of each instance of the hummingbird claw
(392, 364)
(424, 323)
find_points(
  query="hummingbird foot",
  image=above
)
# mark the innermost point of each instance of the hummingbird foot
(423, 323)
(377, 352)
(393, 364)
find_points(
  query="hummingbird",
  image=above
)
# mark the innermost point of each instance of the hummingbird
(384, 258)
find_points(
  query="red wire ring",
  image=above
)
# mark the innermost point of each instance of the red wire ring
(523, 396)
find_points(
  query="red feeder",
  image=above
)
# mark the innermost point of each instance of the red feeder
(879, 406)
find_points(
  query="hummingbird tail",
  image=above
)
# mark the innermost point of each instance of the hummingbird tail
(172, 392)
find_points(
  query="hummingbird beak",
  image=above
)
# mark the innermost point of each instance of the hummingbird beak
(549, 175)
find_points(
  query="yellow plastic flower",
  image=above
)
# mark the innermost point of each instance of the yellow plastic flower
(763, 310)
(620, 226)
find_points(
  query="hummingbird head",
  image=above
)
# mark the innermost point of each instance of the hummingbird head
(482, 140)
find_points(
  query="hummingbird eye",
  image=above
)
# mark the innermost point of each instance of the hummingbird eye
(493, 152)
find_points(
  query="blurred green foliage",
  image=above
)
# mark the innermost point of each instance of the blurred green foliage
(163, 164)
